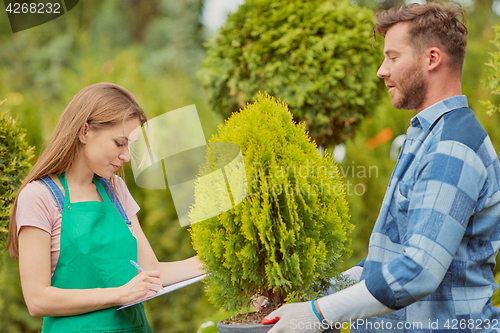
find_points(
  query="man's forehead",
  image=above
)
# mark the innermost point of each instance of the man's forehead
(397, 37)
(398, 31)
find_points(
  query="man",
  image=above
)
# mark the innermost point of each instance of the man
(432, 250)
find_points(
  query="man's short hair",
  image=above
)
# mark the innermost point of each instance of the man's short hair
(431, 24)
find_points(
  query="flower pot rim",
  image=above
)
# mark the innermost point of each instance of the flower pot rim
(241, 328)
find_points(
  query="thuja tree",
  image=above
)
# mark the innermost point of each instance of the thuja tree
(288, 237)
(15, 162)
(316, 55)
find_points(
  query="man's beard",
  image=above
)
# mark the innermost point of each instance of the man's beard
(412, 88)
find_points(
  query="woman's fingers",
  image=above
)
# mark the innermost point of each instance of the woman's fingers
(145, 284)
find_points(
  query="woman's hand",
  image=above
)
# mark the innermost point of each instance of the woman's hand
(43, 300)
(145, 284)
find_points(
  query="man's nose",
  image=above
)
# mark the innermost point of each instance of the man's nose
(383, 71)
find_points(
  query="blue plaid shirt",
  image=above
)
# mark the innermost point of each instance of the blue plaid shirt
(432, 250)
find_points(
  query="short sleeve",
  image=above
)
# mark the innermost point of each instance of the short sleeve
(127, 201)
(36, 208)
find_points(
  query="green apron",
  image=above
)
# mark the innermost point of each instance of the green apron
(96, 249)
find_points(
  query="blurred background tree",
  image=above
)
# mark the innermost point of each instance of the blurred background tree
(154, 48)
(492, 81)
(317, 55)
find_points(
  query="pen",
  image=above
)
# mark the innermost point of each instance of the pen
(139, 268)
(136, 265)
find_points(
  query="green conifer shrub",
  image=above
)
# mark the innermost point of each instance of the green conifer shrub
(288, 237)
(15, 162)
(317, 55)
(492, 81)
(15, 156)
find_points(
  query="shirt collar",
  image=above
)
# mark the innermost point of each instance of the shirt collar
(427, 117)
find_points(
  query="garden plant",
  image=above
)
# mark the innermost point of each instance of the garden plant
(289, 236)
(16, 158)
(317, 55)
(15, 162)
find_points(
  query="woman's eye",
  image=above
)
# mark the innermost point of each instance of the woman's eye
(118, 144)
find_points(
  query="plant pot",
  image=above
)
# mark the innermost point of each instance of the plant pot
(223, 328)
(258, 328)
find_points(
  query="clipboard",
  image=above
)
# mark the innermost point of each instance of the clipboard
(168, 289)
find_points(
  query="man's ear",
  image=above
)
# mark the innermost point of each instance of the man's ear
(84, 133)
(434, 57)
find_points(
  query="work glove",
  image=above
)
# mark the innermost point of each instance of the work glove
(355, 302)
(295, 317)
(353, 274)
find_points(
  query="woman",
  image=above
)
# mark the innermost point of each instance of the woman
(74, 259)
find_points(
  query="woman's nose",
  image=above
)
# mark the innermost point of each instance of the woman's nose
(125, 155)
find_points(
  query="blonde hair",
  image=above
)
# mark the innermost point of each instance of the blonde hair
(99, 105)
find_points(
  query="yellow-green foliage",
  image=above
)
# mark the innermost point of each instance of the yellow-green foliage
(290, 233)
(317, 55)
(15, 161)
(493, 79)
(15, 156)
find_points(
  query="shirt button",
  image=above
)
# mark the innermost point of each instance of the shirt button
(69, 207)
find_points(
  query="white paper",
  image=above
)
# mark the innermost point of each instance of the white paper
(167, 289)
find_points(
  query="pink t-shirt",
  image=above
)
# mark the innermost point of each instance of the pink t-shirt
(37, 208)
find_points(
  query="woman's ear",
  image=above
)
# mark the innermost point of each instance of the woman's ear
(84, 133)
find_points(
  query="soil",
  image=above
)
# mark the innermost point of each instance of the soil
(249, 318)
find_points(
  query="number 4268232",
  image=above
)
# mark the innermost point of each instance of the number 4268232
(34, 8)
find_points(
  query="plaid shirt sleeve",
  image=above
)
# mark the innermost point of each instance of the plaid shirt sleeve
(437, 199)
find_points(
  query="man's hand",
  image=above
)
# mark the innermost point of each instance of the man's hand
(296, 318)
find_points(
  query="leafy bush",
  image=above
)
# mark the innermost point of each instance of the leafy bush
(15, 156)
(15, 162)
(288, 237)
(492, 81)
(316, 55)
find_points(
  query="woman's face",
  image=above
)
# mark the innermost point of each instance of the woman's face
(105, 150)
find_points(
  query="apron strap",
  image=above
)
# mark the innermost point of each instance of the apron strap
(67, 198)
(114, 198)
(104, 195)
(58, 196)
